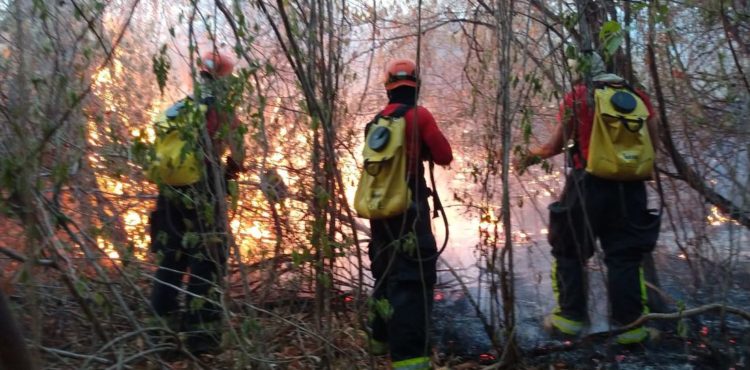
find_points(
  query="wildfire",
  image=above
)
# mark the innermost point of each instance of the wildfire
(251, 223)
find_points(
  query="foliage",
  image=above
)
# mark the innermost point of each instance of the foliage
(81, 83)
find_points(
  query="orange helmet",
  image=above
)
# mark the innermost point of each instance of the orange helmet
(401, 72)
(216, 64)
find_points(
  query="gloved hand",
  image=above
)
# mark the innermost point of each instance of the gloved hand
(524, 159)
(233, 168)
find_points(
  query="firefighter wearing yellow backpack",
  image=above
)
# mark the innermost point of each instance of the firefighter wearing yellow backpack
(608, 136)
(393, 194)
(186, 228)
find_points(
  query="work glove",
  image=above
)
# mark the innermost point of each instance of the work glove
(523, 160)
(233, 168)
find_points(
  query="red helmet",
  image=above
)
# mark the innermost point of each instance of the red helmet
(216, 64)
(401, 72)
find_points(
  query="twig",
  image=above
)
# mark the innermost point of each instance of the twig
(129, 335)
(678, 315)
(640, 321)
(122, 363)
(21, 258)
(60, 352)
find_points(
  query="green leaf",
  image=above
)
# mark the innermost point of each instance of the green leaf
(383, 308)
(325, 280)
(682, 328)
(611, 37)
(196, 303)
(409, 244)
(161, 65)
(609, 28)
(99, 299)
(80, 287)
(570, 52)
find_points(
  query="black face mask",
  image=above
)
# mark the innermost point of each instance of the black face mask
(403, 95)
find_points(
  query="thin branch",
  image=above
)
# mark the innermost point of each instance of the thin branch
(21, 258)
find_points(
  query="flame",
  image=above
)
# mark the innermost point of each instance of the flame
(107, 247)
(716, 218)
(251, 223)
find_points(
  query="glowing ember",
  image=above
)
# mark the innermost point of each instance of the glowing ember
(486, 357)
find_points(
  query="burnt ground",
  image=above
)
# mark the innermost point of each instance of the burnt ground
(705, 341)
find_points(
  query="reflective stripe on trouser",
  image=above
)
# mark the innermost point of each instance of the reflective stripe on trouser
(567, 326)
(644, 291)
(171, 223)
(636, 335)
(640, 333)
(569, 290)
(405, 281)
(616, 213)
(417, 363)
(377, 348)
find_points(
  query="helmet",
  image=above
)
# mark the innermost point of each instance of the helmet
(401, 72)
(591, 60)
(216, 64)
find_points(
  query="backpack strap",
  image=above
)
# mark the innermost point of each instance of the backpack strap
(372, 122)
(401, 111)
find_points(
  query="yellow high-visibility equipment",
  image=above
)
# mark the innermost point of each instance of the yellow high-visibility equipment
(176, 159)
(383, 191)
(620, 146)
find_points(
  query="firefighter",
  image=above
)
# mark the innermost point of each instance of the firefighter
(403, 250)
(187, 232)
(590, 207)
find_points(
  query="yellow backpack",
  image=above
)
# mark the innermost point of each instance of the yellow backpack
(176, 160)
(382, 191)
(620, 146)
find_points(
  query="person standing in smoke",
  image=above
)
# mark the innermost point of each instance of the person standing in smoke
(403, 294)
(594, 208)
(188, 231)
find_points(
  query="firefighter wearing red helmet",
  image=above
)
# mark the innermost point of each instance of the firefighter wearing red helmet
(401, 72)
(182, 233)
(215, 65)
(403, 281)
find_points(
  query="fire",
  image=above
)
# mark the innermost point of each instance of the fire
(716, 218)
(251, 224)
(107, 247)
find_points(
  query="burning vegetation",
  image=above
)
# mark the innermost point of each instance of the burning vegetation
(82, 83)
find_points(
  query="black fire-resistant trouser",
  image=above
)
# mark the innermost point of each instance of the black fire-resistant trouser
(186, 237)
(403, 262)
(616, 213)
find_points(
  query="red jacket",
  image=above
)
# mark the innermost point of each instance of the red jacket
(574, 104)
(429, 134)
(432, 145)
